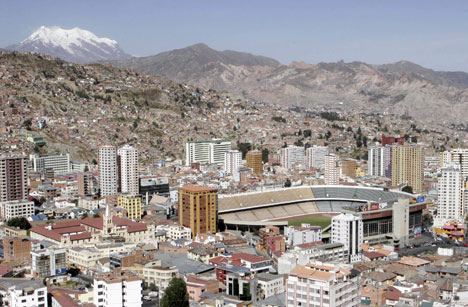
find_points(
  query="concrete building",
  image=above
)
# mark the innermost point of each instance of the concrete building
(458, 155)
(348, 230)
(131, 204)
(407, 166)
(270, 284)
(198, 209)
(254, 161)
(85, 183)
(232, 161)
(16, 249)
(117, 290)
(209, 152)
(175, 232)
(306, 253)
(16, 208)
(323, 284)
(332, 175)
(24, 293)
(60, 163)
(150, 186)
(107, 170)
(303, 234)
(293, 156)
(451, 192)
(13, 177)
(48, 262)
(401, 221)
(128, 169)
(377, 161)
(242, 285)
(159, 276)
(88, 203)
(315, 156)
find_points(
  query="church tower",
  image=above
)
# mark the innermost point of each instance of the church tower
(107, 224)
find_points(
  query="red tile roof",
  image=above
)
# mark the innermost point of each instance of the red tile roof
(248, 257)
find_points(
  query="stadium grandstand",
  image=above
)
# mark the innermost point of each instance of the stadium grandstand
(253, 210)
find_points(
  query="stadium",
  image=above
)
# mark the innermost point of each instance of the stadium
(281, 207)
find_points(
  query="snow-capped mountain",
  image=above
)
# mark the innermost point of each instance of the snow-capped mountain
(74, 45)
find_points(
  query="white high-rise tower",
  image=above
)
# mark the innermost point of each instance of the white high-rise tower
(128, 169)
(348, 230)
(450, 188)
(107, 170)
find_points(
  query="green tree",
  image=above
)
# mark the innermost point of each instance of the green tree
(19, 222)
(176, 294)
(408, 189)
(244, 148)
(265, 154)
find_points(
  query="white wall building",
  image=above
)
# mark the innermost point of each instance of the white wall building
(315, 156)
(175, 232)
(304, 234)
(117, 290)
(292, 156)
(451, 192)
(270, 284)
(107, 170)
(232, 161)
(207, 152)
(323, 284)
(128, 164)
(24, 293)
(376, 161)
(60, 163)
(460, 156)
(16, 208)
(348, 230)
(332, 173)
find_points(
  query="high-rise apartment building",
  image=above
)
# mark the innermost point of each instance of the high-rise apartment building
(451, 192)
(407, 166)
(232, 161)
(198, 209)
(107, 170)
(348, 230)
(331, 170)
(460, 156)
(13, 177)
(209, 152)
(376, 161)
(128, 169)
(254, 161)
(119, 289)
(292, 156)
(132, 204)
(315, 156)
(323, 284)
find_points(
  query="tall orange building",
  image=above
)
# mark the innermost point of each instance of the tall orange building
(198, 209)
(254, 161)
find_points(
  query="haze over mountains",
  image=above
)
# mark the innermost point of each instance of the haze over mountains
(74, 45)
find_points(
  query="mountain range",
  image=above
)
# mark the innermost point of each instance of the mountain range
(402, 88)
(74, 45)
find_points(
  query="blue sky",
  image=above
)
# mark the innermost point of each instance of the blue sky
(431, 33)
